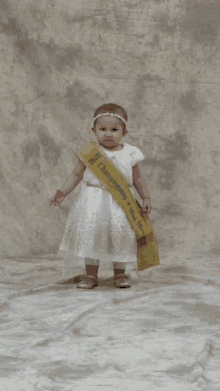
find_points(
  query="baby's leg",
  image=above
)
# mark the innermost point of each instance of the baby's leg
(92, 267)
(119, 268)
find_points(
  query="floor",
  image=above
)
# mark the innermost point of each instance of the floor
(163, 333)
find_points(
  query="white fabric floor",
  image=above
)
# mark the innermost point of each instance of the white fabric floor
(163, 333)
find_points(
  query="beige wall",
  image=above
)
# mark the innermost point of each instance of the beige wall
(60, 60)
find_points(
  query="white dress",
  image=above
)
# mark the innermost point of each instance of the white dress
(97, 227)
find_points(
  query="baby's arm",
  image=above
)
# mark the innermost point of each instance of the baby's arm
(74, 178)
(141, 186)
(140, 183)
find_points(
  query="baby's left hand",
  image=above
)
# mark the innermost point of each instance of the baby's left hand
(147, 203)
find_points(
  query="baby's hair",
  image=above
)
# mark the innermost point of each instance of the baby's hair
(111, 108)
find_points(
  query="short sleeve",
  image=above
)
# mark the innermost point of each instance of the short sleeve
(136, 156)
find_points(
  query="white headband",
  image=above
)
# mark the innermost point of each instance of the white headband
(112, 115)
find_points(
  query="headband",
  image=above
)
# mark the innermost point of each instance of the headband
(112, 115)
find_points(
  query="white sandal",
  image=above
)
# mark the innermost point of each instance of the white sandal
(88, 283)
(122, 281)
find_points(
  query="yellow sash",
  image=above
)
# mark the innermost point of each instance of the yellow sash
(111, 178)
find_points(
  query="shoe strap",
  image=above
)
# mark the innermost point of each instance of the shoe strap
(121, 275)
(92, 277)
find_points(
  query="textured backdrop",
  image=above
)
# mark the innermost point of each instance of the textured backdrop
(62, 59)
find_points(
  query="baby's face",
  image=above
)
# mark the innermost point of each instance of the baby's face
(109, 131)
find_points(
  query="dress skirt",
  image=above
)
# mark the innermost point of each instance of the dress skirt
(98, 228)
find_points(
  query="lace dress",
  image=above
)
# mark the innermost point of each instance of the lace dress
(97, 227)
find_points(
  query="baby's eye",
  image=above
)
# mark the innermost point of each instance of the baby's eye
(113, 129)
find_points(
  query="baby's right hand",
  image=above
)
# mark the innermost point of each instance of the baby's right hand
(58, 198)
